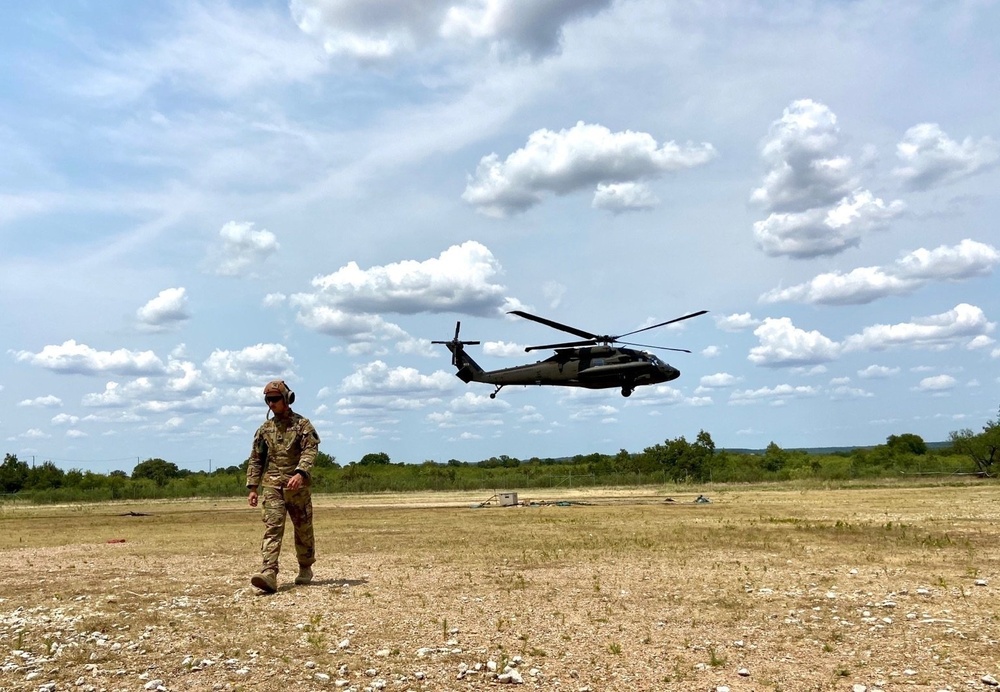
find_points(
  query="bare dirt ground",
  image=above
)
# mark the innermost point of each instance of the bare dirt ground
(891, 588)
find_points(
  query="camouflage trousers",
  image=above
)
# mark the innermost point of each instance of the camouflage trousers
(297, 505)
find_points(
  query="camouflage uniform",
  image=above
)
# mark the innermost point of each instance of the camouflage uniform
(282, 447)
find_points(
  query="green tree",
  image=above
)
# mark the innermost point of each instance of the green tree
(509, 462)
(374, 459)
(775, 458)
(156, 470)
(44, 477)
(326, 461)
(698, 459)
(622, 462)
(228, 470)
(13, 474)
(679, 459)
(689, 460)
(92, 481)
(983, 447)
(907, 443)
(705, 442)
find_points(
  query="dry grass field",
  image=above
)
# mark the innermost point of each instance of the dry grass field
(892, 588)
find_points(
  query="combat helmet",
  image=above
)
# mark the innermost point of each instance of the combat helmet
(281, 389)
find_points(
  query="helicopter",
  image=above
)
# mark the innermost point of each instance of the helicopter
(594, 362)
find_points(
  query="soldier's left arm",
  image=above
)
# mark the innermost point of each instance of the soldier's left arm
(309, 446)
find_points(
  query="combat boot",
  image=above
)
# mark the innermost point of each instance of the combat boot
(265, 581)
(305, 575)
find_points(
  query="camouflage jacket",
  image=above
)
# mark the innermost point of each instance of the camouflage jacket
(281, 447)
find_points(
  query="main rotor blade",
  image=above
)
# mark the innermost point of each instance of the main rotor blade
(554, 325)
(455, 341)
(662, 324)
(661, 348)
(568, 344)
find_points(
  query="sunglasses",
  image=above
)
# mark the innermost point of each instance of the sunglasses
(273, 399)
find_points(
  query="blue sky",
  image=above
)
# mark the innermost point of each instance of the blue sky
(198, 197)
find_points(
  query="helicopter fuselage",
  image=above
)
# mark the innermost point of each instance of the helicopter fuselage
(595, 367)
(594, 362)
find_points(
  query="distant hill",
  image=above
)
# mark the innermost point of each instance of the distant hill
(821, 450)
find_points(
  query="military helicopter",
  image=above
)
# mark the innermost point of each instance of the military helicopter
(594, 362)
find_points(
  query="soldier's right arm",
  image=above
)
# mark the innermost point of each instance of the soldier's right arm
(257, 460)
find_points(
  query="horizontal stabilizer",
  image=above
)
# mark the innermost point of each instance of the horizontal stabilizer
(466, 373)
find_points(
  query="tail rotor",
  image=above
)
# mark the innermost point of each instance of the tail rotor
(456, 346)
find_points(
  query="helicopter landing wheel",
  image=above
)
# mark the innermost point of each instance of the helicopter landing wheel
(493, 395)
(626, 391)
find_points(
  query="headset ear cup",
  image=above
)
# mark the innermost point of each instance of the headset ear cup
(291, 397)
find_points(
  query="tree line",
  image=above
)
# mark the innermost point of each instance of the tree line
(672, 461)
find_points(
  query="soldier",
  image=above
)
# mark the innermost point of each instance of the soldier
(281, 461)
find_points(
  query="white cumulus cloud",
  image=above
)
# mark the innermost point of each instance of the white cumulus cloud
(719, 379)
(71, 357)
(48, 401)
(261, 362)
(775, 395)
(583, 156)
(783, 344)
(979, 342)
(807, 170)
(460, 279)
(814, 201)
(866, 284)
(825, 230)
(379, 378)
(377, 32)
(502, 349)
(845, 392)
(166, 311)
(965, 260)
(877, 372)
(964, 321)
(736, 322)
(243, 247)
(620, 197)
(349, 302)
(357, 328)
(116, 394)
(929, 157)
(937, 383)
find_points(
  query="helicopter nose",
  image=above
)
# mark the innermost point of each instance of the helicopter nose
(669, 372)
